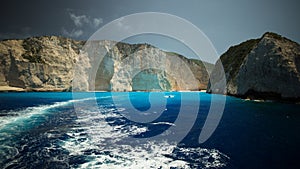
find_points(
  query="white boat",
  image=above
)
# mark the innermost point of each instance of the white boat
(169, 96)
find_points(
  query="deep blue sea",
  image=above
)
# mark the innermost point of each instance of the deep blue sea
(134, 130)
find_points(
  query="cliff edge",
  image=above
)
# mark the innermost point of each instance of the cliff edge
(50, 63)
(267, 68)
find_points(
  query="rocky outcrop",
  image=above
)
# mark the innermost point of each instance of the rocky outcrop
(265, 68)
(38, 63)
(53, 63)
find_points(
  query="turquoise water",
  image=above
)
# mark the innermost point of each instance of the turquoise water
(118, 130)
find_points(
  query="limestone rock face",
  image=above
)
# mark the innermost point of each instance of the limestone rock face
(38, 63)
(265, 68)
(53, 63)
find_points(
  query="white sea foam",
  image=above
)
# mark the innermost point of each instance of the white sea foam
(7, 152)
(164, 123)
(19, 116)
(98, 140)
(101, 143)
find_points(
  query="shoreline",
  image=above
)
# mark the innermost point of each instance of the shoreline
(6, 89)
(9, 89)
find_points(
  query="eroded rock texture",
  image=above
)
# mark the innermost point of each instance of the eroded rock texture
(265, 68)
(53, 63)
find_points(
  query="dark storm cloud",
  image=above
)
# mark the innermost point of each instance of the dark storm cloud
(83, 24)
(225, 22)
(54, 17)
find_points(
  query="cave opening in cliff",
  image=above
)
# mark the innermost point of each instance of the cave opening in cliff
(151, 80)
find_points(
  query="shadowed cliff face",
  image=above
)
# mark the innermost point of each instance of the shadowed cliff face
(265, 68)
(13, 74)
(49, 63)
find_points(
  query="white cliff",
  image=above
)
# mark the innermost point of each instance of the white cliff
(53, 63)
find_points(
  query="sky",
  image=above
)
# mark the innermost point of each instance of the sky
(224, 22)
